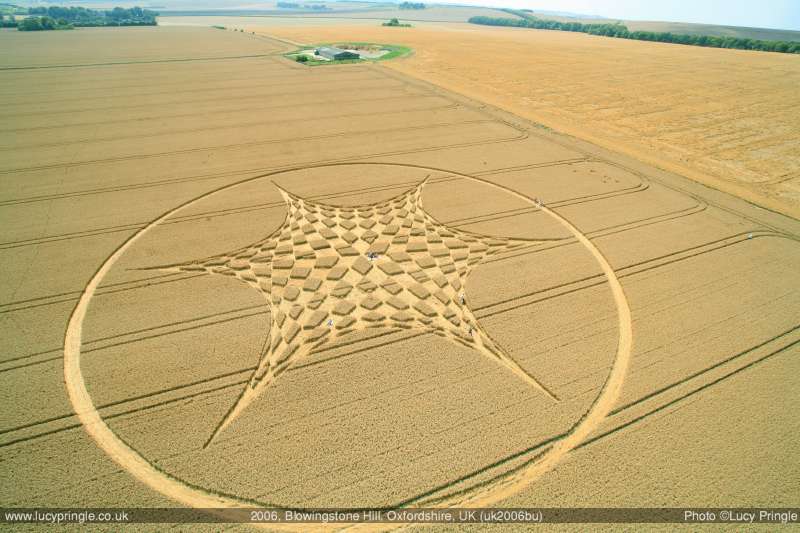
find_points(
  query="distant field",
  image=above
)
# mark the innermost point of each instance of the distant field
(727, 118)
(462, 13)
(262, 22)
(690, 28)
(765, 34)
(109, 45)
(378, 11)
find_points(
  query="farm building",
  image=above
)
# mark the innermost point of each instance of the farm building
(330, 52)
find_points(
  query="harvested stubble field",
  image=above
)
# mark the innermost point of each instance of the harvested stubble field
(166, 336)
(726, 118)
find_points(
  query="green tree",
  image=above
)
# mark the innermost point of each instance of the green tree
(30, 24)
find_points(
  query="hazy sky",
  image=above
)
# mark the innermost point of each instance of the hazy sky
(783, 14)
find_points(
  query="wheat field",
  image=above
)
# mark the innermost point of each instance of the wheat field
(429, 295)
(726, 118)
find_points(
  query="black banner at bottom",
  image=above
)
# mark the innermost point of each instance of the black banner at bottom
(590, 515)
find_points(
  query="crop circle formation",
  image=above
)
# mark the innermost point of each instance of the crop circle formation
(447, 318)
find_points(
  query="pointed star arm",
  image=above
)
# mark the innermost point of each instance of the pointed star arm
(319, 267)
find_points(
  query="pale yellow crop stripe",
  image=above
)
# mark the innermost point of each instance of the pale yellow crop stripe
(130, 460)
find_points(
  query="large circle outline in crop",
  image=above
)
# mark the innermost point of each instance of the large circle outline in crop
(502, 487)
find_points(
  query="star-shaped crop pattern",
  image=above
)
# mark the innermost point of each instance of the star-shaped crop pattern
(331, 270)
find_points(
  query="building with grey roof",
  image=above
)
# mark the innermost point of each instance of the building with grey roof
(332, 53)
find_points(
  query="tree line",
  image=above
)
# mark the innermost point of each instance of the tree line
(7, 21)
(411, 5)
(621, 32)
(43, 24)
(64, 18)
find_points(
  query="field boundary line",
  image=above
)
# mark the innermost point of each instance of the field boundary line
(236, 146)
(202, 177)
(379, 84)
(243, 209)
(147, 80)
(697, 390)
(142, 62)
(623, 273)
(577, 144)
(219, 128)
(204, 89)
(556, 243)
(243, 124)
(205, 112)
(430, 494)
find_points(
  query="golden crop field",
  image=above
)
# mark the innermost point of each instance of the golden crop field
(230, 279)
(726, 118)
